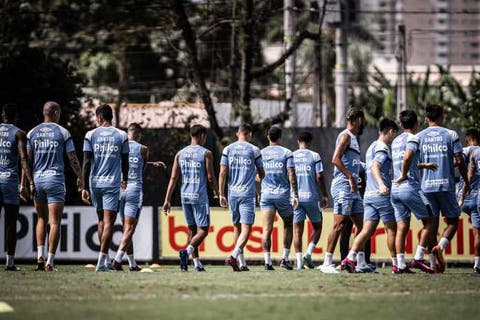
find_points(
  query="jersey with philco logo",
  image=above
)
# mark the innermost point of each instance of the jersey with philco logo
(242, 160)
(8, 153)
(49, 142)
(135, 164)
(399, 146)
(350, 159)
(437, 145)
(378, 152)
(307, 164)
(191, 161)
(107, 145)
(276, 160)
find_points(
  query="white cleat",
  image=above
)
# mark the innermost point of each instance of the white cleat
(328, 269)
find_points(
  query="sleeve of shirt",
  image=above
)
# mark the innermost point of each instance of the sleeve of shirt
(224, 158)
(381, 154)
(258, 157)
(289, 156)
(125, 144)
(318, 163)
(69, 146)
(413, 143)
(87, 142)
(457, 145)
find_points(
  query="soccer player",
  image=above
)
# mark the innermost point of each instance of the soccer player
(105, 173)
(131, 198)
(13, 151)
(195, 164)
(241, 161)
(472, 139)
(407, 196)
(275, 195)
(47, 144)
(377, 198)
(344, 188)
(309, 169)
(441, 146)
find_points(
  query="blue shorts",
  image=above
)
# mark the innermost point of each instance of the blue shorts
(50, 192)
(105, 198)
(130, 203)
(444, 201)
(470, 203)
(378, 207)
(9, 193)
(197, 214)
(282, 205)
(312, 209)
(345, 202)
(242, 210)
(407, 199)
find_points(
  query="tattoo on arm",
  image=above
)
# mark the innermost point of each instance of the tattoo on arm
(293, 181)
(75, 164)
(87, 163)
(25, 157)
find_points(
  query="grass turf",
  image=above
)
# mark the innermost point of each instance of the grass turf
(74, 292)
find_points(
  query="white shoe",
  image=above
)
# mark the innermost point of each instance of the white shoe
(328, 269)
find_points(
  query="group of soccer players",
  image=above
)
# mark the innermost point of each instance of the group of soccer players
(408, 173)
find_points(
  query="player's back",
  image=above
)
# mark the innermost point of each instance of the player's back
(49, 142)
(276, 160)
(191, 161)
(399, 146)
(135, 164)
(350, 159)
(475, 151)
(307, 164)
(107, 145)
(8, 153)
(438, 145)
(242, 160)
(378, 152)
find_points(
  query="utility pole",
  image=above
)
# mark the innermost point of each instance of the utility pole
(289, 29)
(341, 69)
(401, 71)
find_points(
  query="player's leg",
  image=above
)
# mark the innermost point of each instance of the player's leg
(287, 241)
(345, 238)
(106, 240)
(268, 215)
(41, 208)
(298, 226)
(199, 233)
(314, 213)
(244, 213)
(11, 216)
(129, 226)
(55, 212)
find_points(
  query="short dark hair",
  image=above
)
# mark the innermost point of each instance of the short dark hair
(434, 112)
(473, 133)
(105, 111)
(408, 119)
(274, 133)
(9, 111)
(135, 128)
(245, 128)
(387, 124)
(354, 113)
(305, 136)
(197, 130)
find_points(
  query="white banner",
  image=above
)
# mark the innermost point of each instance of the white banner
(78, 235)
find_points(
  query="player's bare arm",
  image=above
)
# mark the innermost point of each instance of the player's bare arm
(212, 180)
(407, 162)
(342, 146)
(77, 169)
(292, 177)
(376, 172)
(222, 179)
(26, 166)
(323, 189)
(171, 185)
(462, 168)
(125, 169)
(87, 164)
(145, 152)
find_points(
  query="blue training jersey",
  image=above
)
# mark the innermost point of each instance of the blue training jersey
(350, 159)
(475, 184)
(307, 165)
(135, 164)
(242, 159)
(49, 142)
(467, 153)
(191, 161)
(399, 146)
(437, 145)
(8, 154)
(276, 160)
(107, 145)
(378, 152)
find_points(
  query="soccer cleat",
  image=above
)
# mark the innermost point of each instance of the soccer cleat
(364, 269)
(183, 260)
(269, 267)
(233, 263)
(286, 264)
(404, 270)
(348, 265)
(40, 264)
(308, 262)
(439, 260)
(135, 269)
(330, 269)
(476, 270)
(395, 269)
(12, 268)
(244, 268)
(116, 266)
(109, 266)
(372, 266)
(50, 268)
(200, 269)
(420, 264)
(102, 268)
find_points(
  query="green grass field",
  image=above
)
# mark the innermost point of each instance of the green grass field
(77, 293)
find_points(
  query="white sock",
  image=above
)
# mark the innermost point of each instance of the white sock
(196, 262)
(241, 260)
(190, 249)
(102, 257)
(419, 253)
(328, 259)
(50, 258)
(431, 257)
(352, 255)
(394, 262)
(131, 261)
(361, 259)
(9, 262)
(443, 243)
(107, 259)
(310, 248)
(268, 260)
(401, 261)
(40, 251)
(119, 256)
(298, 255)
(477, 262)
(236, 252)
(286, 253)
